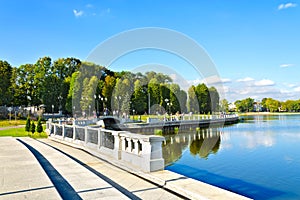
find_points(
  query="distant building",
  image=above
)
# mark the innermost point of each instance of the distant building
(257, 106)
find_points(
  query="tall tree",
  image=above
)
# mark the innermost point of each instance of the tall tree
(87, 102)
(174, 94)
(202, 94)
(5, 83)
(182, 98)
(139, 100)
(214, 99)
(272, 105)
(110, 82)
(155, 97)
(193, 105)
(224, 105)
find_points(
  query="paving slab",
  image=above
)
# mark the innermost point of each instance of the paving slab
(140, 188)
(153, 185)
(85, 183)
(21, 176)
(40, 169)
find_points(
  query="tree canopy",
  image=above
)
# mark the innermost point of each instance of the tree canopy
(71, 86)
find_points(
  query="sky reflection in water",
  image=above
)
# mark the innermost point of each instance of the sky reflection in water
(259, 158)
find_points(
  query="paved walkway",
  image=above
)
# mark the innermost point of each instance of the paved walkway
(31, 169)
(45, 169)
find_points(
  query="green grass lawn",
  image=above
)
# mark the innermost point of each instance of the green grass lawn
(6, 123)
(20, 132)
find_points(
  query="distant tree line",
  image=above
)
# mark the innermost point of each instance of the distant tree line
(267, 105)
(72, 86)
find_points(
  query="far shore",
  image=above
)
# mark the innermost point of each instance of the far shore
(269, 113)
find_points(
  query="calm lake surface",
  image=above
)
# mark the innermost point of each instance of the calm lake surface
(258, 158)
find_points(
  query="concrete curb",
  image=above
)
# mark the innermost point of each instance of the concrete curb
(176, 183)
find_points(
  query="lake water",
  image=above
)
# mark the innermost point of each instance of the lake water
(258, 158)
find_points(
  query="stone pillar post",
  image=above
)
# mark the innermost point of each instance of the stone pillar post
(63, 131)
(117, 145)
(54, 129)
(74, 132)
(85, 135)
(99, 139)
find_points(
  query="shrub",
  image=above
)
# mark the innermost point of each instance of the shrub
(158, 132)
(39, 127)
(27, 126)
(32, 127)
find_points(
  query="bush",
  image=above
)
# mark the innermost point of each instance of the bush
(158, 132)
(39, 127)
(32, 127)
(27, 126)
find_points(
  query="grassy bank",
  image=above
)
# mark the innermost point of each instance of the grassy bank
(20, 132)
(7, 123)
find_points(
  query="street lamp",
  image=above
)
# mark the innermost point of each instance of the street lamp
(89, 111)
(167, 102)
(95, 96)
(133, 113)
(59, 100)
(118, 98)
(74, 115)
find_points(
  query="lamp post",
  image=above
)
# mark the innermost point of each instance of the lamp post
(60, 107)
(133, 113)
(52, 109)
(89, 111)
(95, 96)
(118, 98)
(74, 115)
(167, 102)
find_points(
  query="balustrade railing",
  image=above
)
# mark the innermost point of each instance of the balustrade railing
(140, 152)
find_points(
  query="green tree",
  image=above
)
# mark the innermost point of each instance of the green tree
(182, 98)
(25, 87)
(203, 97)
(245, 105)
(32, 127)
(88, 92)
(39, 127)
(139, 100)
(272, 105)
(107, 91)
(71, 96)
(155, 94)
(5, 83)
(165, 98)
(224, 105)
(214, 99)
(28, 123)
(193, 105)
(174, 95)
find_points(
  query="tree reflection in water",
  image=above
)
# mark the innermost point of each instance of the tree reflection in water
(202, 143)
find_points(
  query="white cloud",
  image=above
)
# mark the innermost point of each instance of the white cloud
(264, 82)
(226, 80)
(210, 80)
(286, 5)
(290, 85)
(247, 79)
(286, 65)
(297, 89)
(78, 13)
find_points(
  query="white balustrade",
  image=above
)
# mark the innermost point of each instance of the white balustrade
(140, 152)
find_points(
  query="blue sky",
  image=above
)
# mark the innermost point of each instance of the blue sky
(255, 44)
